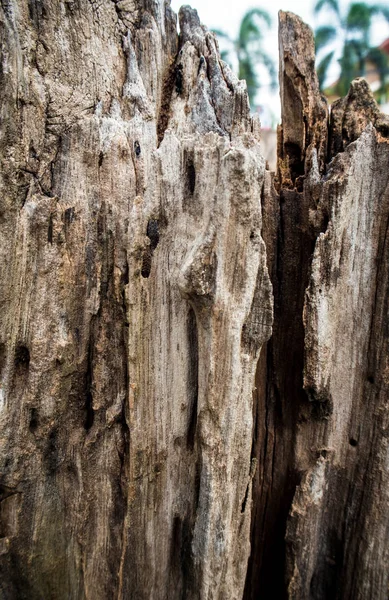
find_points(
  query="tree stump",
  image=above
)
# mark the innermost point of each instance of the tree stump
(164, 432)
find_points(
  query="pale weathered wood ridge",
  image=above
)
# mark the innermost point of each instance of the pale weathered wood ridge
(142, 247)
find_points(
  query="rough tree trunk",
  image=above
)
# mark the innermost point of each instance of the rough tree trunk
(142, 243)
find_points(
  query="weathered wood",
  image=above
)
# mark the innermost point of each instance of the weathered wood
(139, 236)
(135, 300)
(320, 509)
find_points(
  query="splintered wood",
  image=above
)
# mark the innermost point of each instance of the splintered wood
(163, 434)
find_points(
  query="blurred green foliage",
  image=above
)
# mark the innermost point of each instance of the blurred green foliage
(353, 27)
(249, 51)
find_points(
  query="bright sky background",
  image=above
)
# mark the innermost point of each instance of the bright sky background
(226, 15)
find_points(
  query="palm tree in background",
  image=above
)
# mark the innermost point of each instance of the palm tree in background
(354, 27)
(248, 48)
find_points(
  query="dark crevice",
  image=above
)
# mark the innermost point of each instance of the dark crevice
(193, 375)
(118, 11)
(146, 262)
(34, 420)
(22, 358)
(137, 149)
(21, 371)
(191, 177)
(89, 412)
(245, 499)
(50, 454)
(2, 357)
(176, 539)
(37, 181)
(381, 269)
(69, 216)
(201, 63)
(152, 233)
(123, 417)
(125, 434)
(106, 247)
(123, 445)
(296, 163)
(321, 403)
(125, 281)
(125, 276)
(197, 484)
(282, 398)
(326, 581)
(324, 222)
(189, 180)
(50, 230)
(164, 110)
(36, 12)
(183, 575)
(179, 78)
(181, 557)
(6, 492)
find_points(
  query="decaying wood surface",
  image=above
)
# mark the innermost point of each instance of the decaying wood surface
(320, 526)
(142, 247)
